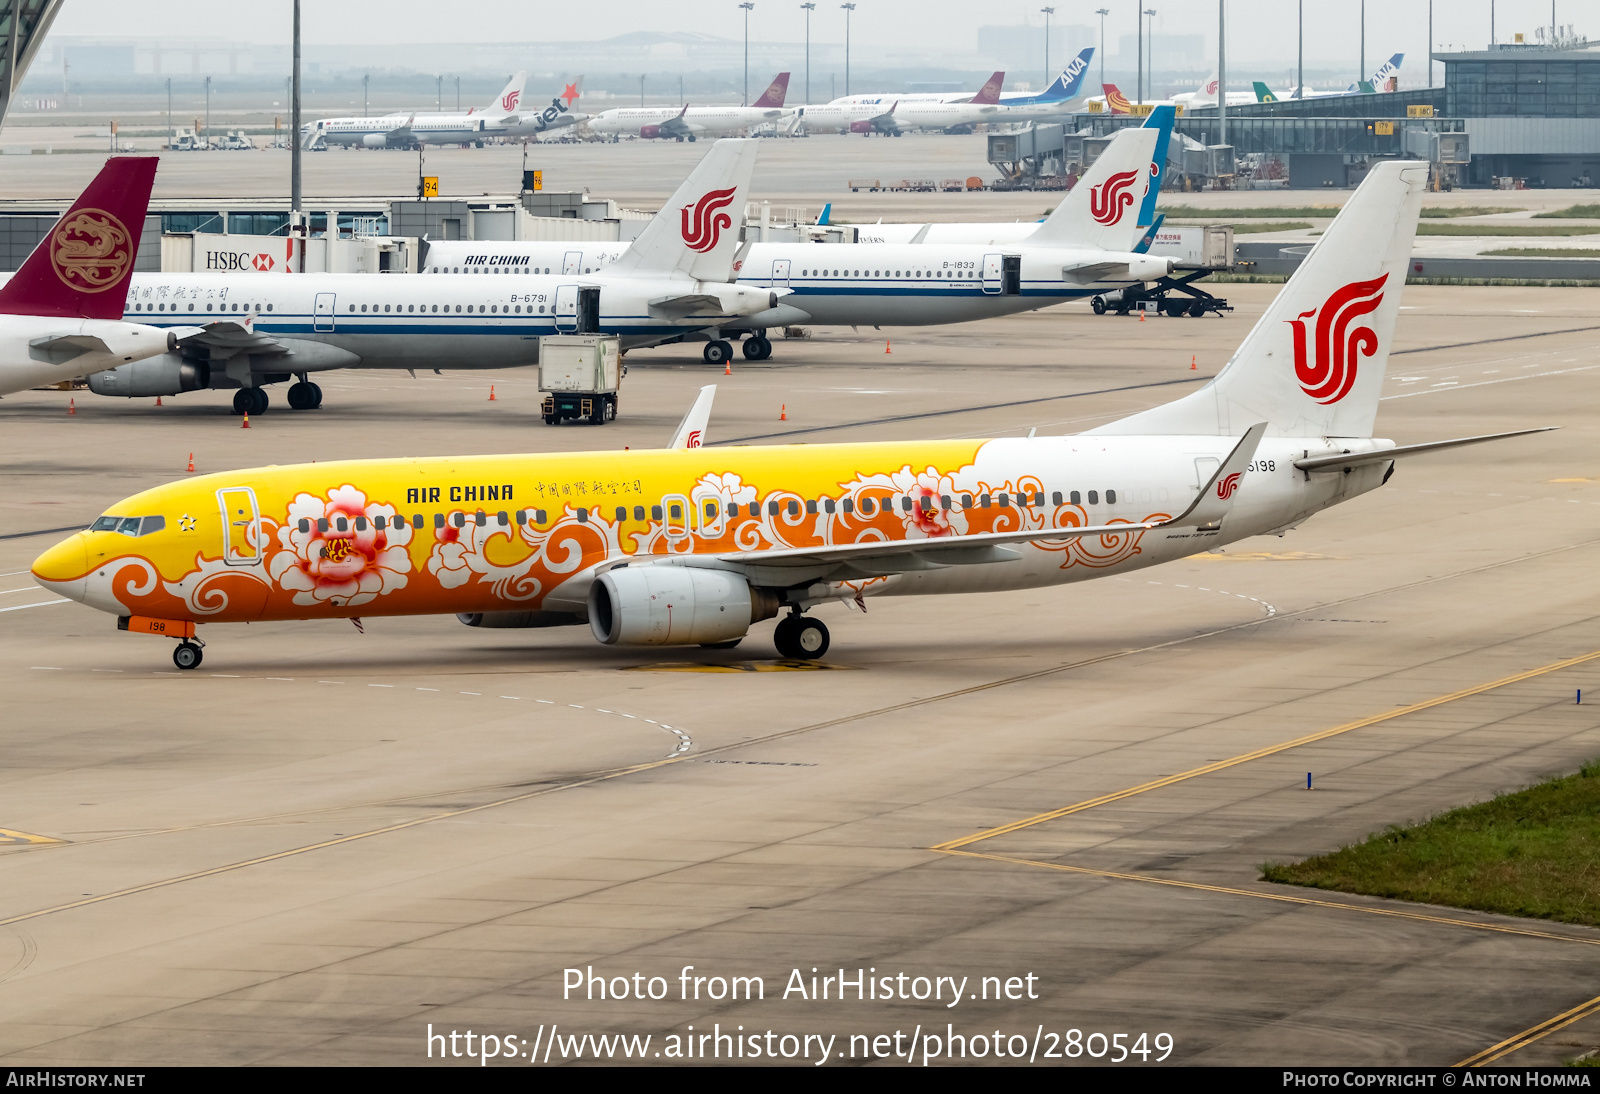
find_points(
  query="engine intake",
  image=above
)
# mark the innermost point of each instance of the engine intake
(657, 605)
(168, 374)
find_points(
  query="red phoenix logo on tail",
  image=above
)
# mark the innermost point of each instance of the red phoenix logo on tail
(1339, 345)
(703, 222)
(1111, 197)
(508, 102)
(1227, 486)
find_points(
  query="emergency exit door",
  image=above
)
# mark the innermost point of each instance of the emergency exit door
(572, 263)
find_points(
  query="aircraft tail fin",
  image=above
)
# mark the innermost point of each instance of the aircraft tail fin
(1102, 211)
(827, 212)
(989, 93)
(697, 231)
(1209, 88)
(1161, 119)
(1149, 237)
(692, 430)
(1116, 101)
(1071, 78)
(775, 93)
(1264, 93)
(82, 266)
(510, 95)
(1313, 364)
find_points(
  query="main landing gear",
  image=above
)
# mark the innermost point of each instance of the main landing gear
(800, 638)
(305, 396)
(187, 654)
(758, 347)
(250, 400)
(717, 352)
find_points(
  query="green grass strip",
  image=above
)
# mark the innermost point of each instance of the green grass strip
(1592, 211)
(1506, 230)
(1547, 252)
(1533, 853)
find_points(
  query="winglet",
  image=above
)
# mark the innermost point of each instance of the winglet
(1215, 499)
(692, 430)
(82, 266)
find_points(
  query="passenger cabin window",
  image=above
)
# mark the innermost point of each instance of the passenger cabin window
(1094, 497)
(1111, 497)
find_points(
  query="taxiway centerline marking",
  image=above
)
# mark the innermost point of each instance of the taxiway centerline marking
(1260, 753)
(39, 604)
(1289, 898)
(1529, 1036)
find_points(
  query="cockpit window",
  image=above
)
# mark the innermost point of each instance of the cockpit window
(129, 526)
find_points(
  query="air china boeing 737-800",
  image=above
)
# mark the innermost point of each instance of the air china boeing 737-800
(695, 545)
(1086, 247)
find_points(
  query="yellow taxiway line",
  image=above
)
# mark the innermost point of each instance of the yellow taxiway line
(1529, 1036)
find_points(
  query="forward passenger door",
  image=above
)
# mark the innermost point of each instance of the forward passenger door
(993, 274)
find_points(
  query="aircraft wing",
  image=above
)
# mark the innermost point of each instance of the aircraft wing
(228, 337)
(62, 348)
(687, 304)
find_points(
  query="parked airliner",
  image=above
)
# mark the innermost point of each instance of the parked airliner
(689, 122)
(61, 314)
(695, 545)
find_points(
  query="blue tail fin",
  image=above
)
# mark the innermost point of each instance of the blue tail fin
(1160, 119)
(1149, 237)
(822, 218)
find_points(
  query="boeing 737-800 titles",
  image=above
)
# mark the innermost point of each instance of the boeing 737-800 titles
(695, 545)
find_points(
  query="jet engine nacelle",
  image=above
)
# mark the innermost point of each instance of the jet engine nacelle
(167, 374)
(861, 127)
(656, 605)
(1151, 267)
(649, 132)
(374, 140)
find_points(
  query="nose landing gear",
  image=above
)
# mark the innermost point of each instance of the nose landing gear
(187, 654)
(800, 638)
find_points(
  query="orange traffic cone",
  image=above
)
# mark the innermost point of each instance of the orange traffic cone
(72, 406)
(246, 424)
(491, 393)
(728, 369)
(191, 463)
(1141, 315)
(158, 400)
(886, 348)
(783, 415)
(1192, 365)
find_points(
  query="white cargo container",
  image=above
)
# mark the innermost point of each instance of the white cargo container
(1196, 247)
(579, 375)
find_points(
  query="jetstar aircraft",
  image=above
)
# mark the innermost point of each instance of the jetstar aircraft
(265, 329)
(1086, 247)
(61, 314)
(688, 122)
(695, 545)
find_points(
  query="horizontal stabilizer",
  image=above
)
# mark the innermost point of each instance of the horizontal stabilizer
(1216, 497)
(1342, 460)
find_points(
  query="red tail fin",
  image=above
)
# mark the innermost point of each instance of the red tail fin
(989, 93)
(1116, 101)
(775, 93)
(82, 267)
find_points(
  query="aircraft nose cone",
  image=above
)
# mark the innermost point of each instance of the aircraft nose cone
(64, 568)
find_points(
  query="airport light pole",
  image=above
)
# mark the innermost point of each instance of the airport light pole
(745, 7)
(1222, 71)
(458, 94)
(364, 96)
(1300, 62)
(1361, 74)
(438, 93)
(641, 89)
(208, 109)
(294, 146)
(1138, 51)
(1048, 12)
(1102, 13)
(1430, 45)
(169, 111)
(1150, 57)
(808, 9)
(847, 8)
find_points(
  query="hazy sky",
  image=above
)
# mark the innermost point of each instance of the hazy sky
(1260, 31)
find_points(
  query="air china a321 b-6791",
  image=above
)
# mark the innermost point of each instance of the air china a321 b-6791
(1084, 248)
(61, 314)
(694, 545)
(261, 330)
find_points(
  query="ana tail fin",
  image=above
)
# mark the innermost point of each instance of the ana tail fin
(775, 93)
(1313, 365)
(81, 268)
(1071, 78)
(1102, 211)
(697, 231)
